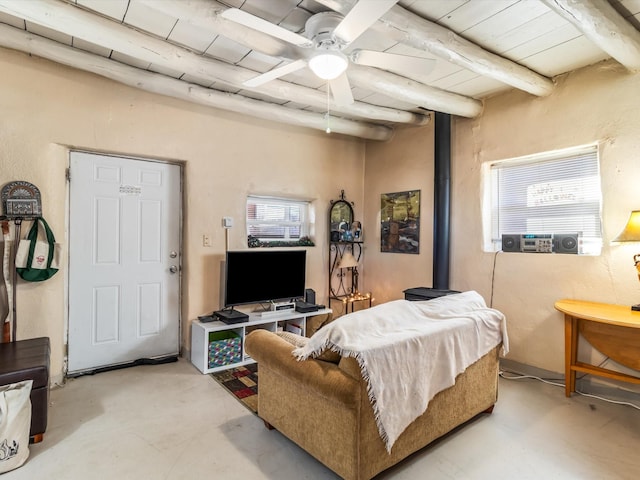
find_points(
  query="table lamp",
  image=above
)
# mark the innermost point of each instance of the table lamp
(349, 261)
(631, 233)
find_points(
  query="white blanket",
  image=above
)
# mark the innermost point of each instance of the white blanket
(410, 351)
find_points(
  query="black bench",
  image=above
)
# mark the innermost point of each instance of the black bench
(29, 360)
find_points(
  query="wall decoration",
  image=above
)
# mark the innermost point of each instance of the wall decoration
(21, 200)
(400, 222)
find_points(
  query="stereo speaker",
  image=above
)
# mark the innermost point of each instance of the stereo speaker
(566, 242)
(510, 243)
(310, 296)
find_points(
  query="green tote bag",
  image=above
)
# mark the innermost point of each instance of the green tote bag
(38, 259)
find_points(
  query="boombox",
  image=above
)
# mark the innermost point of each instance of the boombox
(542, 242)
(510, 243)
(566, 242)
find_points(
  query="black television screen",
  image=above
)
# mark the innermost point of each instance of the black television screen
(263, 276)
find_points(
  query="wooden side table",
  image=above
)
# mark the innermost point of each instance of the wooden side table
(614, 330)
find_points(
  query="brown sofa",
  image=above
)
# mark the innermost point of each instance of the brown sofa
(324, 407)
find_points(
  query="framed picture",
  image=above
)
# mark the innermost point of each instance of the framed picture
(400, 222)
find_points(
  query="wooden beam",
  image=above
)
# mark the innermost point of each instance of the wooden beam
(101, 31)
(207, 14)
(413, 92)
(11, 37)
(604, 26)
(415, 31)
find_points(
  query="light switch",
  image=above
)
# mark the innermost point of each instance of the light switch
(206, 240)
(227, 222)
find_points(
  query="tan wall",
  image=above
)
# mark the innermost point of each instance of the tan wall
(596, 104)
(401, 164)
(48, 109)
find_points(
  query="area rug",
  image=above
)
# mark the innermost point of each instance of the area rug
(242, 383)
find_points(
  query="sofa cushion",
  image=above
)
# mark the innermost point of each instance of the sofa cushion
(293, 339)
(350, 366)
(300, 341)
(316, 322)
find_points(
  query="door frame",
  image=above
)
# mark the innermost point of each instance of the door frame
(67, 292)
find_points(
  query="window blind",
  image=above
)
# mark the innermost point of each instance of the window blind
(555, 192)
(271, 218)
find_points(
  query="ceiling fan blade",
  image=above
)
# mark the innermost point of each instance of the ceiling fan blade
(395, 62)
(341, 90)
(275, 73)
(257, 23)
(360, 17)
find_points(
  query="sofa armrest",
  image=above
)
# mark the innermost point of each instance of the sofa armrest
(314, 403)
(324, 378)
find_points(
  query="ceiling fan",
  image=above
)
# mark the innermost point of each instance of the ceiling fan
(328, 34)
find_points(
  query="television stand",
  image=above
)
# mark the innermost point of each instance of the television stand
(231, 316)
(217, 346)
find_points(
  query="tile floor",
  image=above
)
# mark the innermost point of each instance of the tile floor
(171, 422)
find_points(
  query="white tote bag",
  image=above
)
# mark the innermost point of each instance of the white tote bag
(15, 422)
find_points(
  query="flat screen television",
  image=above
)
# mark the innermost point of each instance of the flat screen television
(263, 276)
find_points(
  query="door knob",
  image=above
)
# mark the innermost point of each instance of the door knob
(173, 269)
(173, 254)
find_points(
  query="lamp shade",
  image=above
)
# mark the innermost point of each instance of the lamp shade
(631, 232)
(348, 261)
(328, 64)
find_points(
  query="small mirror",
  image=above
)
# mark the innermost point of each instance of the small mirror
(340, 219)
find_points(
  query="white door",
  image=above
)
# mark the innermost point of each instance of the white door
(124, 260)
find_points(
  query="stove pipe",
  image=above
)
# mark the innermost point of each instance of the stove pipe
(441, 201)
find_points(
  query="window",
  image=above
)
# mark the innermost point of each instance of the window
(548, 193)
(277, 221)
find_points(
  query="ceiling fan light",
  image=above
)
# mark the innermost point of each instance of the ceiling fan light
(328, 65)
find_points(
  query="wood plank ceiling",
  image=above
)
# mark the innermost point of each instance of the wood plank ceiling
(188, 50)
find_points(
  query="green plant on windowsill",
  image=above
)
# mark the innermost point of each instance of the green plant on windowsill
(255, 242)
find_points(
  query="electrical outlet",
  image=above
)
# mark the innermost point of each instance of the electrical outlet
(227, 222)
(206, 240)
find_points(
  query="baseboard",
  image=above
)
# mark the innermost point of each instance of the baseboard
(592, 385)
